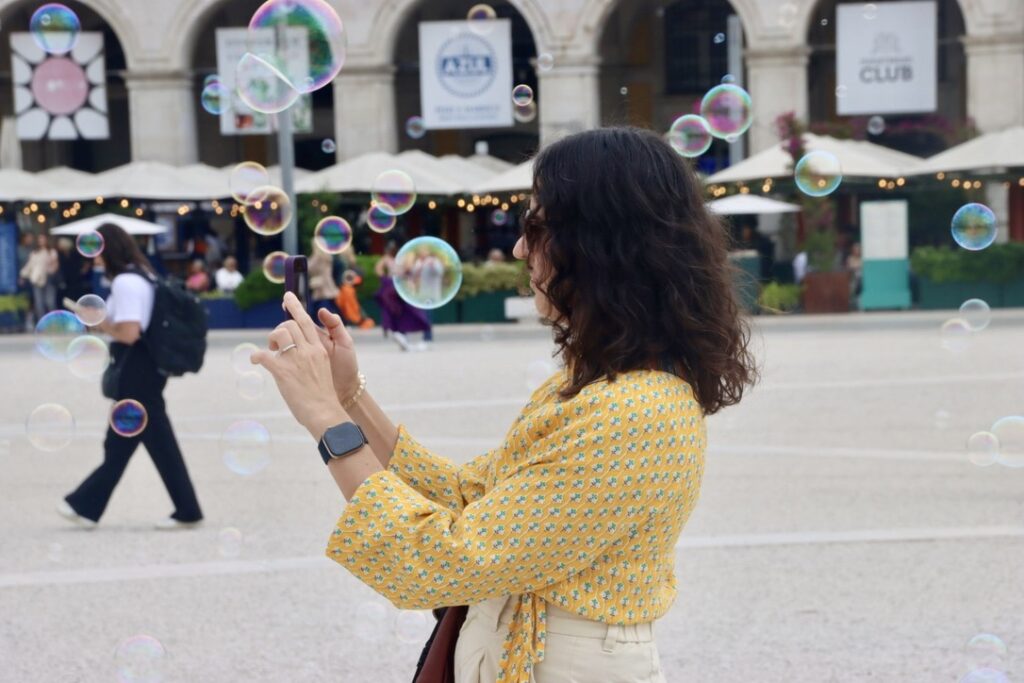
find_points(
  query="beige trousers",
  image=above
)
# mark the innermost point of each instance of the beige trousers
(577, 650)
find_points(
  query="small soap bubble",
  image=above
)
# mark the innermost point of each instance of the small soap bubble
(985, 650)
(268, 210)
(328, 146)
(974, 227)
(212, 78)
(242, 354)
(54, 333)
(273, 266)
(522, 95)
(690, 135)
(128, 418)
(381, 219)
(50, 427)
(245, 447)
(428, 272)
(214, 97)
(91, 310)
(976, 313)
(229, 542)
(870, 11)
(623, 91)
(1010, 432)
(415, 127)
(88, 357)
(876, 125)
(719, 38)
(818, 173)
(140, 659)
(728, 78)
(332, 235)
(525, 114)
(250, 385)
(481, 19)
(499, 217)
(89, 244)
(983, 448)
(728, 110)
(545, 62)
(245, 178)
(55, 28)
(956, 335)
(788, 12)
(841, 91)
(395, 191)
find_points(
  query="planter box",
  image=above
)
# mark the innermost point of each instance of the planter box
(826, 292)
(447, 314)
(11, 322)
(949, 295)
(1013, 294)
(488, 307)
(265, 315)
(223, 314)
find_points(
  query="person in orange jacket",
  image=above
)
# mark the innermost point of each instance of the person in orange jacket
(348, 303)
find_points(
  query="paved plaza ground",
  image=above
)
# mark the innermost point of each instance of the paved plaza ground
(842, 534)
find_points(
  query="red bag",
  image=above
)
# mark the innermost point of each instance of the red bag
(437, 661)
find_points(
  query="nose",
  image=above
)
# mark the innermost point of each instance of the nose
(519, 250)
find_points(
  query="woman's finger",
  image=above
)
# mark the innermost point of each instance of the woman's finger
(335, 326)
(267, 359)
(300, 317)
(295, 332)
(279, 338)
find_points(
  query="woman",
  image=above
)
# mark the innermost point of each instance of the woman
(198, 281)
(397, 316)
(562, 539)
(41, 273)
(129, 311)
(322, 287)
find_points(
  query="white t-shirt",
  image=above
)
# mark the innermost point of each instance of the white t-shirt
(228, 281)
(131, 300)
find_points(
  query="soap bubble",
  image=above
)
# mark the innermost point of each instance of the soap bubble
(54, 333)
(481, 19)
(415, 127)
(332, 235)
(986, 650)
(974, 227)
(245, 178)
(89, 244)
(250, 385)
(245, 447)
(394, 191)
(50, 427)
(1010, 432)
(985, 675)
(325, 35)
(268, 210)
(522, 95)
(241, 356)
(728, 110)
(262, 85)
(211, 78)
(728, 78)
(870, 11)
(841, 91)
(140, 659)
(976, 313)
(381, 219)
(526, 114)
(88, 357)
(719, 38)
(128, 418)
(428, 272)
(941, 418)
(818, 173)
(499, 217)
(538, 372)
(273, 266)
(956, 335)
(229, 542)
(328, 146)
(55, 28)
(983, 448)
(214, 97)
(623, 91)
(876, 125)
(545, 62)
(690, 135)
(91, 310)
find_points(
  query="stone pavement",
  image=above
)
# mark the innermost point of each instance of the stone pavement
(842, 535)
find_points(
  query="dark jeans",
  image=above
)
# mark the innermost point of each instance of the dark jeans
(141, 381)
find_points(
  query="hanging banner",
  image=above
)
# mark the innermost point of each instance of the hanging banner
(886, 58)
(466, 74)
(236, 117)
(60, 97)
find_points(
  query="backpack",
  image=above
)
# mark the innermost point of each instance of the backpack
(176, 335)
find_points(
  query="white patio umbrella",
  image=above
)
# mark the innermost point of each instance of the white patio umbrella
(992, 151)
(516, 179)
(153, 180)
(360, 173)
(458, 169)
(739, 204)
(133, 226)
(16, 185)
(493, 163)
(858, 159)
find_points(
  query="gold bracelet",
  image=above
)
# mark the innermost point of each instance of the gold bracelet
(356, 396)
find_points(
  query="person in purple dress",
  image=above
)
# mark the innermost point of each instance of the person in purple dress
(396, 315)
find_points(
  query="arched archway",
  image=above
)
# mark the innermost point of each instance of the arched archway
(77, 150)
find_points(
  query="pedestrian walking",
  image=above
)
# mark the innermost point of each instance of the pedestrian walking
(397, 316)
(553, 555)
(135, 374)
(40, 271)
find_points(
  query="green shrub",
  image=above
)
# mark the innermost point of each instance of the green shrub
(13, 303)
(498, 277)
(257, 289)
(371, 281)
(779, 298)
(998, 264)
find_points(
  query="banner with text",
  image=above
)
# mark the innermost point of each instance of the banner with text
(466, 74)
(886, 58)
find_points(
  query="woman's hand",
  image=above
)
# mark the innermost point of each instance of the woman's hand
(342, 351)
(298, 360)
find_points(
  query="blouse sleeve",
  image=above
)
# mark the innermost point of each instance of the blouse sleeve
(435, 477)
(559, 511)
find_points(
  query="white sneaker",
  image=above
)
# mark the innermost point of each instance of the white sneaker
(402, 340)
(65, 510)
(172, 524)
(422, 346)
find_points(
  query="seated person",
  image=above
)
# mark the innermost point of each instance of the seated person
(227, 276)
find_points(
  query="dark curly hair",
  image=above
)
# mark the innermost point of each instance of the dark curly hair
(640, 276)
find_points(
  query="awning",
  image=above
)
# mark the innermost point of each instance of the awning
(516, 179)
(740, 204)
(359, 174)
(992, 151)
(133, 226)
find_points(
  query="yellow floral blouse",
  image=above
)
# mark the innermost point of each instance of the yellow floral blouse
(580, 507)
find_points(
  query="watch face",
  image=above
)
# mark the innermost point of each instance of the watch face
(344, 439)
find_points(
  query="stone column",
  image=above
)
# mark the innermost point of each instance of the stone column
(776, 79)
(569, 97)
(364, 110)
(162, 116)
(995, 80)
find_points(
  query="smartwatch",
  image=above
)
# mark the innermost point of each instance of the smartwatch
(341, 440)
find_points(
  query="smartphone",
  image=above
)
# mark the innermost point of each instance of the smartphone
(296, 279)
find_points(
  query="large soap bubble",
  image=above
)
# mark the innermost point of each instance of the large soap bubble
(55, 28)
(690, 135)
(323, 29)
(428, 272)
(728, 110)
(974, 227)
(818, 173)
